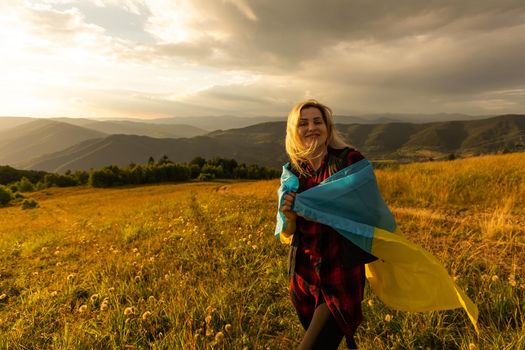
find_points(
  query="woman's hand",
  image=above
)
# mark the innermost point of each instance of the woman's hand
(286, 207)
(290, 216)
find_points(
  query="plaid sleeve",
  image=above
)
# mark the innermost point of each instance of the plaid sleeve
(353, 156)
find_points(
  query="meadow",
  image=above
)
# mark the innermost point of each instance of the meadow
(196, 265)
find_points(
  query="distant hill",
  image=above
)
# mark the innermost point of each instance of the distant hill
(212, 123)
(419, 118)
(11, 122)
(127, 127)
(126, 149)
(225, 122)
(230, 122)
(38, 137)
(415, 141)
(264, 143)
(24, 138)
(142, 128)
(270, 132)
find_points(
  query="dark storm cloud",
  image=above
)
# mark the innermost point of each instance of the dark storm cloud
(292, 31)
(413, 50)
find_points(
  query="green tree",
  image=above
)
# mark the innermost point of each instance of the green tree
(217, 171)
(108, 176)
(164, 160)
(198, 161)
(194, 170)
(136, 175)
(9, 175)
(58, 180)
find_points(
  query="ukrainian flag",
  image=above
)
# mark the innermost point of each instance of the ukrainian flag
(405, 277)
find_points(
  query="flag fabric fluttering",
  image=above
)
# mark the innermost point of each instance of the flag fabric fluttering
(405, 277)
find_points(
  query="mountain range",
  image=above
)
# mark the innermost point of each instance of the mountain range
(224, 122)
(61, 144)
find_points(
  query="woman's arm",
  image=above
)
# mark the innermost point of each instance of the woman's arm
(289, 214)
(290, 228)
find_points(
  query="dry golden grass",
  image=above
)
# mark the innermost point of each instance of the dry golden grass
(480, 183)
(196, 266)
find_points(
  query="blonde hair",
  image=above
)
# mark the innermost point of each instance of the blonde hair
(300, 154)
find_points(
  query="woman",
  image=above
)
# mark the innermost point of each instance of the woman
(327, 274)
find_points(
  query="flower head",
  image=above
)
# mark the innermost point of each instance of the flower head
(219, 337)
(228, 328)
(512, 280)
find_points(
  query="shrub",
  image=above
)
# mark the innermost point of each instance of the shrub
(5, 196)
(205, 177)
(29, 203)
(40, 186)
(24, 185)
(18, 195)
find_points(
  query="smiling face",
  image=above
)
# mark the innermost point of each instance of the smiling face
(311, 128)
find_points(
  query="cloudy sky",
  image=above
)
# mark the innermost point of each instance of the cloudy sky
(162, 58)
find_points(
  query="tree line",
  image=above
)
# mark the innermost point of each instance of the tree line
(14, 181)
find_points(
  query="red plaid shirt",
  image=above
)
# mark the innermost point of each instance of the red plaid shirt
(322, 270)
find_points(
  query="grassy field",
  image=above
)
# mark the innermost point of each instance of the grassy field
(196, 266)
